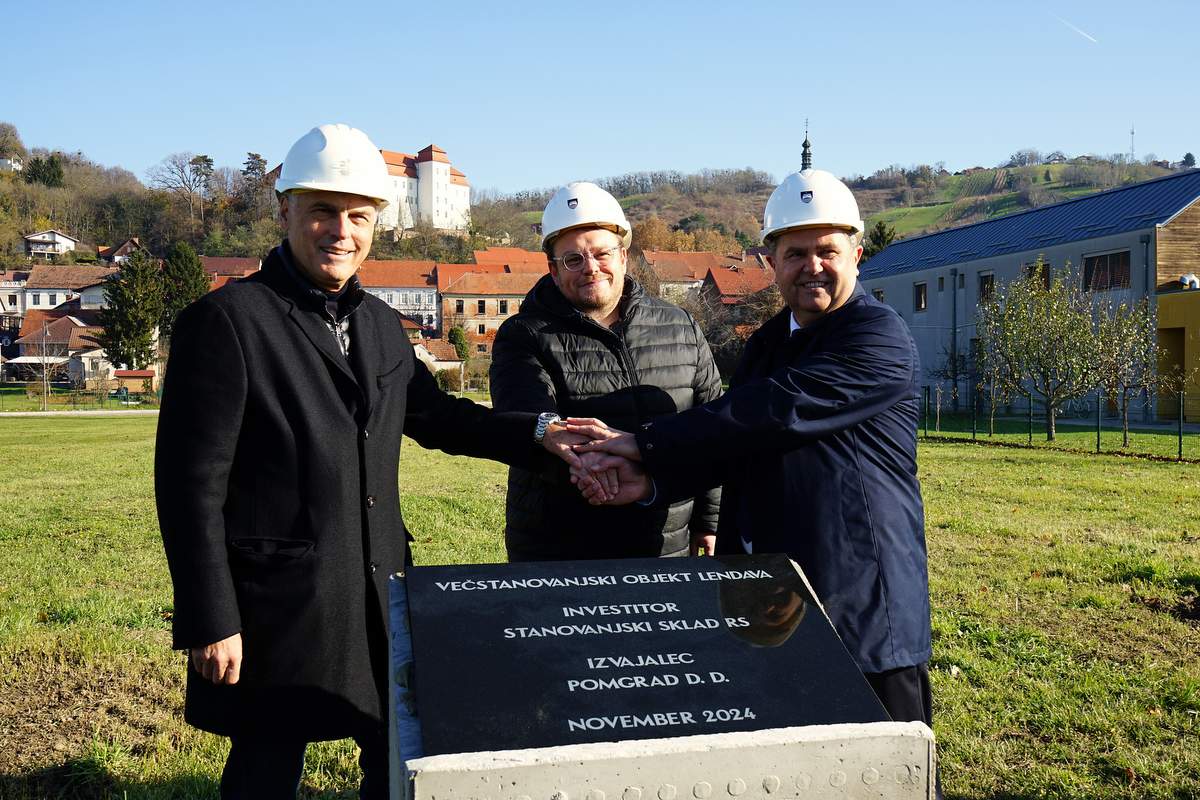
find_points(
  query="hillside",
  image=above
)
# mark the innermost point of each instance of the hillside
(914, 201)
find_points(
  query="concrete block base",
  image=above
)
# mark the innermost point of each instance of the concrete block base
(876, 760)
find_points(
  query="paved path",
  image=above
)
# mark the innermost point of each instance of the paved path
(95, 413)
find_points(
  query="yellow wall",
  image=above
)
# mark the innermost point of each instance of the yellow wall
(1179, 312)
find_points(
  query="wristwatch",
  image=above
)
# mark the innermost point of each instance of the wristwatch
(544, 421)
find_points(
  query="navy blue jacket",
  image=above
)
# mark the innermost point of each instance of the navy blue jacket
(815, 443)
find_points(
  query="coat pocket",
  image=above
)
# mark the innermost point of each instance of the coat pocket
(401, 371)
(267, 550)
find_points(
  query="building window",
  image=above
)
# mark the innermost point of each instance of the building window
(987, 286)
(878, 294)
(37, 299)
(503, 307)
(12, 301)
(1033, 269)
(481, 348)
(1109, 271)
(920, 296)
(482, 329)
(962, 280)
(481, 306)
(941, 283)
(458, 306)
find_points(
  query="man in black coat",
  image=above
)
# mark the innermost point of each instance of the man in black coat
(589, 342)
(286, 398)
(815, 443)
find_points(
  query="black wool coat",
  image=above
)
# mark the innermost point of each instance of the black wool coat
(653, 362)
(276, 479)
(816, 443)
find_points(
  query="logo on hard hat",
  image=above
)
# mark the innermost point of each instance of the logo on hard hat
(806, 196)
(574, 201)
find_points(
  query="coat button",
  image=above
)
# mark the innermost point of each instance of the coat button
(366, 433)
(370, 501)
(374, 567)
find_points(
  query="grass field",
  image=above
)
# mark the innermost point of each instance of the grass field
(1065, 614)
(1077, 435)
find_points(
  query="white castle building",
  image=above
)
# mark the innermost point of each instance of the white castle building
(427, 188)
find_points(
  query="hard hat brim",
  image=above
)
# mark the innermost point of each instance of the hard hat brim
(283, 187)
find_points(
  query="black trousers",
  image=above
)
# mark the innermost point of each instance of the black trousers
(269, 768)
(905, 694)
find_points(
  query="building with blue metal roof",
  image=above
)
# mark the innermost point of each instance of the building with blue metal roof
(1136, 241)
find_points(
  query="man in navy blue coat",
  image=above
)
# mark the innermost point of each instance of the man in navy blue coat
(815, 443)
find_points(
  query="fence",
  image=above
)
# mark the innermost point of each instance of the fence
(1163, 426)
(28, 397)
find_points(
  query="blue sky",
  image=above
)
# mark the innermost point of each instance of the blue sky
(529, 95)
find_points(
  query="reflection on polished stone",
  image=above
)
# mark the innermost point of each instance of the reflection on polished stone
(511, 656)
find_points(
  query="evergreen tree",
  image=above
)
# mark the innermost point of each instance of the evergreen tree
(458, 337)
(879, 237)
(1189, 160)
(184, 281)
(134, 298)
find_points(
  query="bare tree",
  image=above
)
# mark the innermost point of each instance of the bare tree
(175, 174)
(1046, 339)
(1128, 350)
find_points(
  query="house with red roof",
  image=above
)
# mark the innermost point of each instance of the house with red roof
(119, 254)
(408, 286)
(65, 348)
(426, 187)
(730, 286)
(480, 302)
(49, 286)
(514, 259)
(681, 273)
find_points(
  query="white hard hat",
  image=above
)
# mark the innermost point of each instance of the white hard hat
(583, 205)
(335, 158)
(811, 198)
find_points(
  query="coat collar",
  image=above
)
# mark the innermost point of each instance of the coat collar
(307, 308)
(546, 298)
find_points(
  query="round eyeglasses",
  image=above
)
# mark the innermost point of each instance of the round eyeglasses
(574, 260)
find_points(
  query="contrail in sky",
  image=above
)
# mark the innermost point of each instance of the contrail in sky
(1084, 34)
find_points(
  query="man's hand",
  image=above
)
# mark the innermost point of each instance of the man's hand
(220, 662)
(561, 442)
(602, 438)
(633, 484)
(704, 543)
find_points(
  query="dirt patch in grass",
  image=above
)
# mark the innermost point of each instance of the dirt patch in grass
(1184, 609)
(52, 710)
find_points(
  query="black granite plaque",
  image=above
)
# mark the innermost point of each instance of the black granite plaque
(511, 656)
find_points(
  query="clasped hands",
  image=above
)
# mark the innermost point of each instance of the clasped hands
(604, 462)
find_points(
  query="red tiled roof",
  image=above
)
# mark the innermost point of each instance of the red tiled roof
(220, 280)
(386, 274)
(125, 247)
(449, 273)
(516, 259)
(400, 163)
(57, 331)
(683, 266)
(34, 317)
(85, 338)
(408, 325)
(134, 373)
(440, 349)
(432, 153)
(735, 284)
(503, 283)
(224, 265)
(74, 277)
